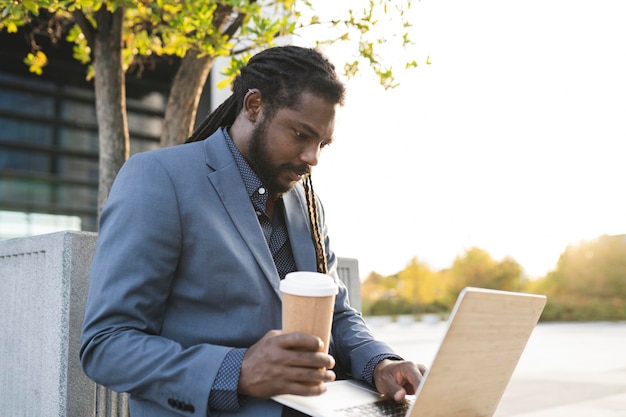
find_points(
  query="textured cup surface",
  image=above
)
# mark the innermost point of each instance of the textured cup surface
(308, 304)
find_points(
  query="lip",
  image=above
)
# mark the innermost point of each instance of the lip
(294, 176)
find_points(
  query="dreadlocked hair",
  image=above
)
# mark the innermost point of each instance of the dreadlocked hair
(281, 74)
(224, 115)
(316, 231)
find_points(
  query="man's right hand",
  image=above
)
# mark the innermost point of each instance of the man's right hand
(289, 363)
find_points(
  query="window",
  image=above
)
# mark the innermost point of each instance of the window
(49, 153)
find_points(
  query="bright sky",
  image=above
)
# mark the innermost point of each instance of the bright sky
(512, 140)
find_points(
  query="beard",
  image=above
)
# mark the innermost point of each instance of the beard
(260, 158)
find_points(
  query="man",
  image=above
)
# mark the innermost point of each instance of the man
(183, 305)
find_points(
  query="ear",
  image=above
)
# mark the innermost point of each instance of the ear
(252, 104)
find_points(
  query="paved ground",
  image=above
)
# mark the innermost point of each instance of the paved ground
(567, 369)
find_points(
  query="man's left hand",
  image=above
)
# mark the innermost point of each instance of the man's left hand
(396, 379)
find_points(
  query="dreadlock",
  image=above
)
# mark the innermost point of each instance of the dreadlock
(316, 232)
(282, 74)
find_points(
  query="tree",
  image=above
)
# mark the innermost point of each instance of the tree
(419, 284)
(589, 281)
(477, 268)
(376, 287)
(112, 36)
(508, 275)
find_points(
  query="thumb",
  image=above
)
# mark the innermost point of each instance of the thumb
(399, 394)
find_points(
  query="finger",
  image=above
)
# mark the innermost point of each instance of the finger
(298, 358)
(278, 347)
(309, 376)
(399, 395)
(409, 383)
(415, 380)
(301, 341)
(422, 369)
(305, 390)
(410, 378)
(305, 382)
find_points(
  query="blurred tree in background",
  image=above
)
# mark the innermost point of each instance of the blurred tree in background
(476, 268)
(588, 283)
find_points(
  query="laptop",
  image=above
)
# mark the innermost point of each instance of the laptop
(486, 335)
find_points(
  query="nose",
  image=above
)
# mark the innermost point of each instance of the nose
(311, 154)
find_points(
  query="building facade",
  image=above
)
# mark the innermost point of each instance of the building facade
(49, 137)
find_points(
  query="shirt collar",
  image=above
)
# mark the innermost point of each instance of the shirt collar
(254, 186)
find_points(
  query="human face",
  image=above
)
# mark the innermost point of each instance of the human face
(284, 147)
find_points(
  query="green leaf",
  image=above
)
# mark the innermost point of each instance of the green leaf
(31, 6)
(224, 83)
(36, 62)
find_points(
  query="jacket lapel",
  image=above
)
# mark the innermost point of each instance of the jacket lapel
(228, 183)
(299, 229)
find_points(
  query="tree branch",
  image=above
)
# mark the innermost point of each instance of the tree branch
(242, 50)
(236, 23)
(86, 27)
(221, 16)
(234, 26)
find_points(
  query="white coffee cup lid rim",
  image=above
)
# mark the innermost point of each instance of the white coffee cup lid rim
(311, 284)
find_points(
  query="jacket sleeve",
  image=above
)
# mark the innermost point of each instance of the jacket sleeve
(132, 271)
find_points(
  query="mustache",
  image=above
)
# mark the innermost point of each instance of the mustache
(299, 169)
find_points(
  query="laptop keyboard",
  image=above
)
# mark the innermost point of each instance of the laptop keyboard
(383, 408)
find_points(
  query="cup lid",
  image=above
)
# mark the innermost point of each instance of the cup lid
(309, 284)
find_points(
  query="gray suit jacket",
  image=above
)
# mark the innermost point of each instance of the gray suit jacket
(182, 274)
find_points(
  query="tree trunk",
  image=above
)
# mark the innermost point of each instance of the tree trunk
(182, 104)
(110, 99)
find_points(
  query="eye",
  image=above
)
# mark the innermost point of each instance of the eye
(325, 144)
(300, 135)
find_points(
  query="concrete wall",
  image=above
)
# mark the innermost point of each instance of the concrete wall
(44, 281)
(44, 287)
